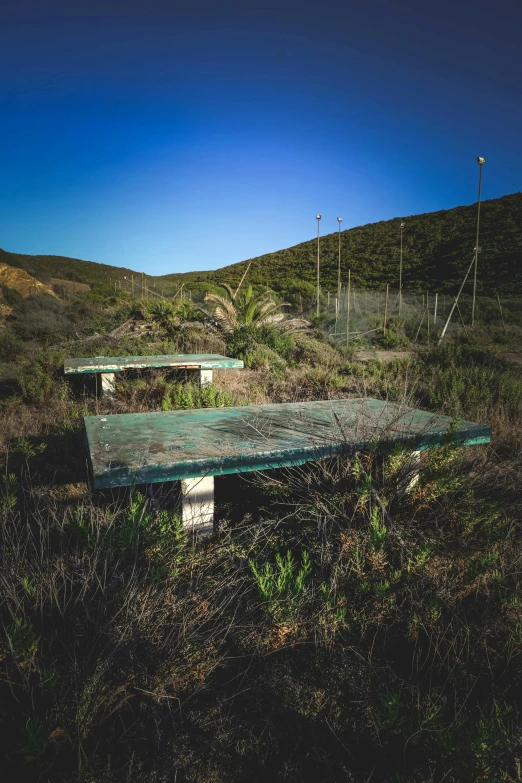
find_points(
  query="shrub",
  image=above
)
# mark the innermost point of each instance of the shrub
(10, 347)
(262, 346)
(39, 381)
(10, 295)
(392, 339)
(40, 316)
(187, 396)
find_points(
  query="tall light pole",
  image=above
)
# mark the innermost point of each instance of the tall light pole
(339, 221)
(480, 162)
(318, 218)
(402, 226)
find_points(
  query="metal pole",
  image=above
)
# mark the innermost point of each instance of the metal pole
(348, 308)
(501, 313)
(400, 273)
(480, 162)
(318, 218)
(428, 315)
(385, 309)
(339, 221)
(435, 309)
(455, 303)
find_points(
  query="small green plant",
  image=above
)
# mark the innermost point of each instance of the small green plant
(391, 711)
(420, 557)
(281, 586)
(9, 488)
(334, 611)
(481, 565)
(50, 677)
(133, 530)
(35, 739)
(29, 588)
(23, 640)
(166, 403)
(377, 529)
(382, 588)
(27, 449)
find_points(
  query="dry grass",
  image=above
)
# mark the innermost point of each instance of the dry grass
(129, 653)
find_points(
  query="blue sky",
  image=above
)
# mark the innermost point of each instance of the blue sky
(166, 140)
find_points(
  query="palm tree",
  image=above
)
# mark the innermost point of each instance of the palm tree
(245, 309)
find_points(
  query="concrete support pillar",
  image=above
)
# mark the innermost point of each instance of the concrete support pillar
(108, 384)
(205, 377)
(197, 505)
(411, 472)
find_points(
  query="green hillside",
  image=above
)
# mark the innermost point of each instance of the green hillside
(437, 248)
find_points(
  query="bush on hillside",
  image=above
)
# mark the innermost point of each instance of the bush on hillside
(10, 295)
(40, 316)
(10, 347)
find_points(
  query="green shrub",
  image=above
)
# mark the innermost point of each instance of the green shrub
(188, 396)
(39, 381)
(10, 295)
(281, 586)
(261, 346)
(10, 347)
(41, 316)
(392, 339)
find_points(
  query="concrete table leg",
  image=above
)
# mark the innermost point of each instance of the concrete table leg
(108, 384)
(205, 377)
(197, 505)
(412, 472)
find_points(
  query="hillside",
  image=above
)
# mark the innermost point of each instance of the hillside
(46, 267)
(437, 248)
(19, 280)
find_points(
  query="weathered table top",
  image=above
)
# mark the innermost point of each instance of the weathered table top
(136, 448)
(204, 361)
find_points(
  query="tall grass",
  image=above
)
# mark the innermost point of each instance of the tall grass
(335, 629)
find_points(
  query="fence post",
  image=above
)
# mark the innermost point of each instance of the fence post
(348, 309)
(428, 315)
(501, 313)
(385, 309)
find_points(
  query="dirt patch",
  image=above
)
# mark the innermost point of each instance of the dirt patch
(70, 286)
(22, 282)
(381, 356)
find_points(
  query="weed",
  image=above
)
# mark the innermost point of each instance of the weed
(35, 739)
(23, 640)
(281, 586)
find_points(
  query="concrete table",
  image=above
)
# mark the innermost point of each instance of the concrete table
(194, 446)
(107, 367)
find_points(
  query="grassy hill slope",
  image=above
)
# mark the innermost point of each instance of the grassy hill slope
(437, 248)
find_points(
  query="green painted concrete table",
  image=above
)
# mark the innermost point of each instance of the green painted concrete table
(108, 366)
(194, 446)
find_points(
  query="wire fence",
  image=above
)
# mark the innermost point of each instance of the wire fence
(393, 317)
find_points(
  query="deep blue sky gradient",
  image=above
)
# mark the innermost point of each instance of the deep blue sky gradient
(166, 140)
